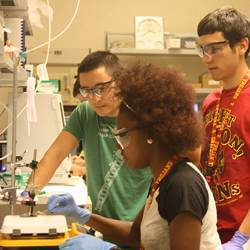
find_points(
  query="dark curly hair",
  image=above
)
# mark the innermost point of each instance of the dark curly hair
(163, 103)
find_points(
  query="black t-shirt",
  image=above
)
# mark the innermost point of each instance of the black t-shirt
(183, 190)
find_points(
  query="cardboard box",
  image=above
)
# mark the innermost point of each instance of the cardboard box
(188, 42)
(173, 43)
(196, 85)
(208, 82)
(181, 41)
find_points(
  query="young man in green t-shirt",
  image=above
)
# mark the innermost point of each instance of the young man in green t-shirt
(109, 181)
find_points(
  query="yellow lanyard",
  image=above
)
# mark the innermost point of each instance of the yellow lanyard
(165, 171)
(216, 135)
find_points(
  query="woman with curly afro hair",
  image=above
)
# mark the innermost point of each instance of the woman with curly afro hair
(156, 125)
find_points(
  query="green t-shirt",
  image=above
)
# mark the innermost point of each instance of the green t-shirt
(115, 190)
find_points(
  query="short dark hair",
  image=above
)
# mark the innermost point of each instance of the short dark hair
(161, 101)
(233, 24)
(98, 59)
(76, 87)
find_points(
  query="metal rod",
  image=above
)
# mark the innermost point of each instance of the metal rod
(14, 115)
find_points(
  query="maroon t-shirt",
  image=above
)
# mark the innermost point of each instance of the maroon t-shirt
(232, 193)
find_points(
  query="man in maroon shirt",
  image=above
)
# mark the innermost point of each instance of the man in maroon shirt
(223, 44)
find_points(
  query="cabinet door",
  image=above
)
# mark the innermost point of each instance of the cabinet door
(66, 77)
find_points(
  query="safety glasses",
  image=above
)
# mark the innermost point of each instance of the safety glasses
(211, 49)
(122, 136)
(99, 90)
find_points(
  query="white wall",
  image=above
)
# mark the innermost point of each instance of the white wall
(95, 17)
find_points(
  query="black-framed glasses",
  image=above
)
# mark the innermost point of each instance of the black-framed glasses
(98, 90)
(211, 49)
(122, 137)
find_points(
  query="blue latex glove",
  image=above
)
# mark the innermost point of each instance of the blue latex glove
(65, 204)
(86, 242)
(237, 242)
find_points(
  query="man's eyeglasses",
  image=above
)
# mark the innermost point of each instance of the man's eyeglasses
(211, 49)
(98, 90)
(122, 137)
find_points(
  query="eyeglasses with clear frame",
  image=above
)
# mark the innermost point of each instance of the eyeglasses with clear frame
(99, 90)
(122, 137)
(211, 49)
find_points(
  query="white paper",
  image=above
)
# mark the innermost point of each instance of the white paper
(79, 192)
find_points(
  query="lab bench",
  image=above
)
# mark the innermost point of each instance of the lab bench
(41, 207)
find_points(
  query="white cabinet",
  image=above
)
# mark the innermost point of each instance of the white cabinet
(66, 76)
